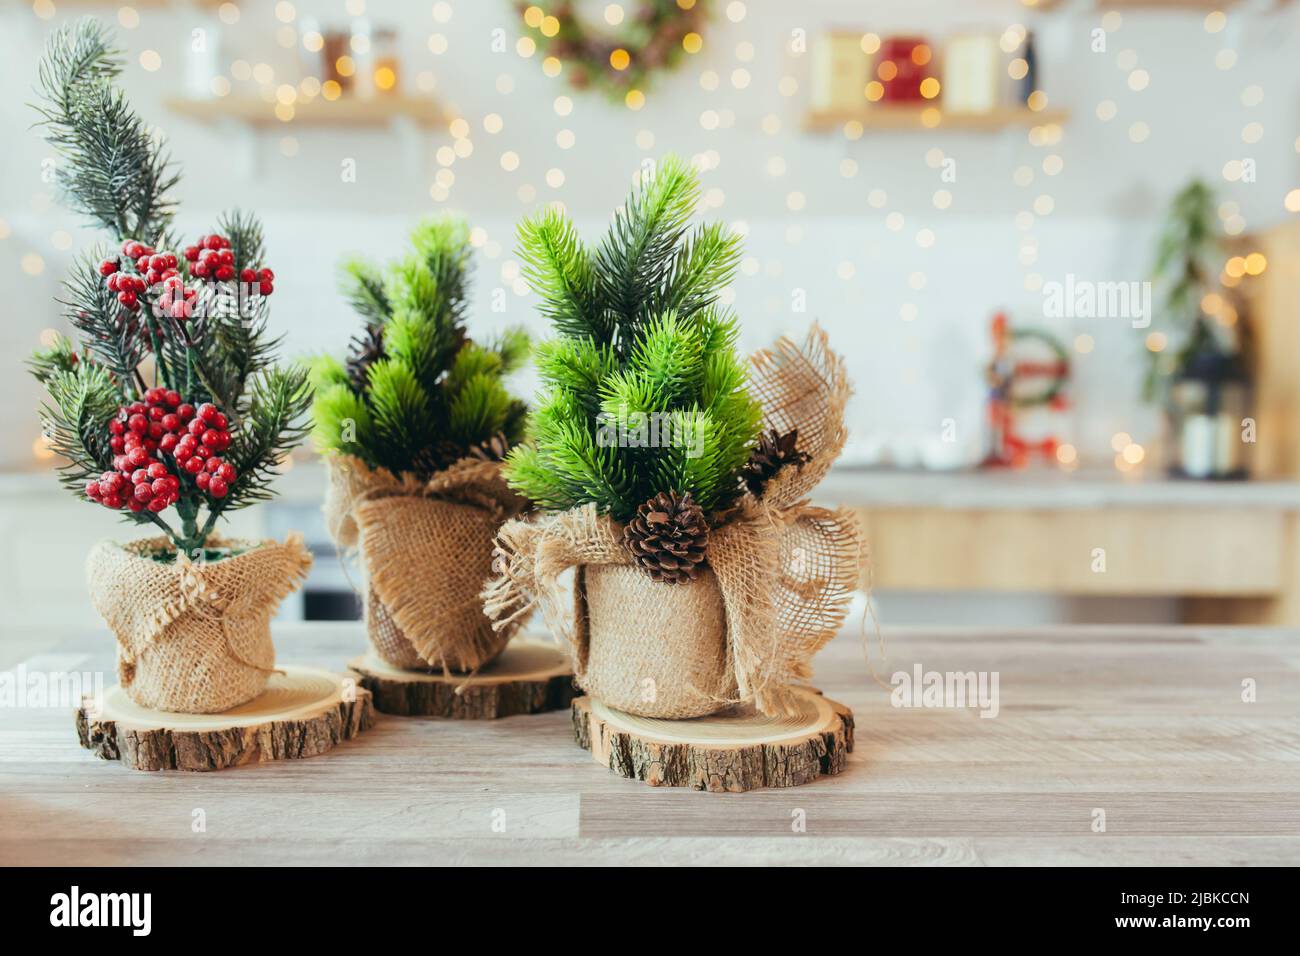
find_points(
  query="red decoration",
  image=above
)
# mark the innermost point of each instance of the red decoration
(901, 65)
(1006, 373)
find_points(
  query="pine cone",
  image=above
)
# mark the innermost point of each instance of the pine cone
(367, 349)
(668, 537)
(774, 452)
(494, 449)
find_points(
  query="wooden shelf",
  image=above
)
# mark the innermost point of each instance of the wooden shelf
(912, 118)
(374, 111)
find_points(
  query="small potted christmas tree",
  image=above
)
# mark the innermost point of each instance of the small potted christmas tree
(673, 474)
(414, 425)
(167, 407)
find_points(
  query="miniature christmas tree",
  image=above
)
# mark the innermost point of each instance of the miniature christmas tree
(169, 399)
(645, 391)
(416, 394)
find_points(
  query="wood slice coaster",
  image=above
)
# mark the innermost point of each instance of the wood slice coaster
(529, 677)
(303, 712)
(738, 749)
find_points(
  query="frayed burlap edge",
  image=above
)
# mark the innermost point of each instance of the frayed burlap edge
(787, 570)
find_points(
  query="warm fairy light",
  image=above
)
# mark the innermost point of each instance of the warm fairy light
(1036, 101)
(929, 88)
(1156, 342)
(870, 43)
(1066, 454)
(309, 87)
(312, 41)
(128, 17)
(930, 117)
(510, 161)
(1211, 303)
(463, 148)
(32, 264)
(1235, 267)
(1083, 343)
(613, 14)
(283, 112)
(552, 66)
(1120, 440)
(1106, 110)
(853, 130)
(550, 26)
(1227, 316)
(1018, 68)
(445, 155)
(525, 47)
(286, 93)
(874, 91)
(1123, 464)
(692, 43)
(533, 17)
(1133, 453)
(41, 448)
(345, 65)
(1215, 21)
(619, 59)
(493, 123)
(887, 70)
(735, 11)
(1292, 201)
(459, 128)
(228, 12)
(635, 99)
(285, 12)
(1256, 264)
(686, 4)
(331, 90)
(150, 60)
(921, 54)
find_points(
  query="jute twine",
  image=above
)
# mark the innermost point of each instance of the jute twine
(427, 550)
(194, 636)
(783, 571)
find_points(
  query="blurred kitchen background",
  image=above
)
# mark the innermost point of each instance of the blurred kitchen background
(929, 179)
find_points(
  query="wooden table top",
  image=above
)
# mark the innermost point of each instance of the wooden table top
(1145, 724)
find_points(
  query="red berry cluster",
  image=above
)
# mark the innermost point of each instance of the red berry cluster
(143, 432)
(151, 268)
(212, 258)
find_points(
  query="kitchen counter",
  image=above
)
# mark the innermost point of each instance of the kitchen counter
(1145, 725)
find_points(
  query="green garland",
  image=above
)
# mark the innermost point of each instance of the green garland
(651, 37)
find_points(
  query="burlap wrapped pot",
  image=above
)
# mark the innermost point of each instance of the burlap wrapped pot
(655, 649)
(426, 550)
(194, 636)
(781, 575)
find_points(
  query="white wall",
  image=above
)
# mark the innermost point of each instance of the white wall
(910, 375)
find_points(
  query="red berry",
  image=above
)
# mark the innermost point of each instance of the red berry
(246, 275)
(228, 473)
(202, 479)
(129, 247)
(138, 424)
(213, 464)
(208, 412)
(171, 421)
(92, 489)
(168, 441)
(116, 427)
(128, 299)
(136, 506)
(203, 451)
(211, 438)
(225, 273)
(193, 465)
(117, 444)
(108, 267)
(142, 492)
(191, 253)
(186, 412)
(157, 470)
(139, 476)
(138, 456)
(197, 426)
(266, 275)
(182, 453)
(113, 501)
(226, 257)
(218, 421)
(214, 242)
(172, 398)
(217, 487)
(156, 413)
(157, 504)
(161, 487)
(265, 287)
(200, 269)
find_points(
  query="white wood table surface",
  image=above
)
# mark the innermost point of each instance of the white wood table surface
(1147, 725)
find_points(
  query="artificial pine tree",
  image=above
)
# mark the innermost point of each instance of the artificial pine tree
(169, 399)
(645, 391)
(1188, 259)
(416, 394)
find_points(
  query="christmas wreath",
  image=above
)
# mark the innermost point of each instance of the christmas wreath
(656, 35)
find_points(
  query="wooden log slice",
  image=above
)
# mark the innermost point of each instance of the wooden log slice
(303, 712)
(528, 677)
(739, 749)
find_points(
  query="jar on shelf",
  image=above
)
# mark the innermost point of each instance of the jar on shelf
(386, 69)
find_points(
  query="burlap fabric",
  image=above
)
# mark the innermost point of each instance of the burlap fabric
(784, 569)
(194, 636)
(427, 550)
